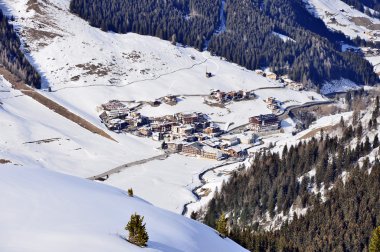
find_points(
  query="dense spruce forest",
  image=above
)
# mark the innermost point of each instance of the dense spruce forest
(312, 56)
(343, 223)
(12, 57)
(190, 22)
(340, 220)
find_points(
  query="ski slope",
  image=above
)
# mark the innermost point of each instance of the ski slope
(46, 211)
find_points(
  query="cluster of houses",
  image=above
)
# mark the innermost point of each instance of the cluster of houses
(186, 126)
(187, 133)
(217, 148)
(282, 79)
(269, 75)
(220, 97)
(227, 146)
(169, 99)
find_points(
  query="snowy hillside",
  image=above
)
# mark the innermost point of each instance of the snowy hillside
(86, 67)
(339, 16)
(34, 135)
(46, 211)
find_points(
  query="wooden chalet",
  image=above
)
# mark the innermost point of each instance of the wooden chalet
(262, 123)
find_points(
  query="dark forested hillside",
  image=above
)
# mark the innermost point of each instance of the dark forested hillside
(190, 22)
(343, 223)
(312, 57)
(271, 184)
(12, 57)
(340, 220)
(249, 39)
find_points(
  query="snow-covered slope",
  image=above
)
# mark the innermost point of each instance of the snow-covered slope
(47, 211)
(31, 134)
(86, 67)
(341, 17)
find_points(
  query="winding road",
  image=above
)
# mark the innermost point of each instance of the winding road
(203, 182)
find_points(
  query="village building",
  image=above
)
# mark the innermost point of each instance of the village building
(271, 76)
(249, 94)
(116, 124)
(191, 138)
(262, 123)
(270, 100)
(260, 72)
(175, 146)
(194, 148)
(211, 153)
(157, 136)
(189, 118)
(212, 130)
(220, 97)
(113, 105)
(213, 142)
(145, 131)
(296, 86)
(246, 138)
(228, 141)
(235, 151)
(273, 106)
(170, 99)
(183, 130)
(162, 127)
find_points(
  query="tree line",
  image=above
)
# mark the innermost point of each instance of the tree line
(313, 57)
(190, 22)
(343, 223)
(12, 57)
(340, 220)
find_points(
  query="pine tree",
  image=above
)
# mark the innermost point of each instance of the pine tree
(137, 231)
(130, 192)
(193, 215)
(367, 145)
(374, 245)
(359, 131)
(376, 141)
(341, 123)
(221, 225)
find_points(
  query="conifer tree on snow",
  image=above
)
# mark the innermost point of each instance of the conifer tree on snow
(130, 192)
(137, 231)
(221, 225)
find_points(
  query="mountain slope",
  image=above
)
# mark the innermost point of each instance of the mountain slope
(247, 38)
(46, 211)
(340, 16)
(11, 55)
(318, 194)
